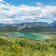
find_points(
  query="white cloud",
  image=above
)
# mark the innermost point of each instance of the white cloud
(1, 0)
(9, 13)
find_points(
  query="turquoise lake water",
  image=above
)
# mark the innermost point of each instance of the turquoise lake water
(27, 35)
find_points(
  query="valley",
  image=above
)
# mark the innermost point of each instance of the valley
(27, 40)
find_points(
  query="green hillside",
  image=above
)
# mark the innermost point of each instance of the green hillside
(19, 46)
(38, 29)
(27, 29)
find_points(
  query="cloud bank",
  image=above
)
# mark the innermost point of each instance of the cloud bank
(25, 13)
(1, 0)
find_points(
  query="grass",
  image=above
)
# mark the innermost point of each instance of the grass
(49, 34)
(19, 46)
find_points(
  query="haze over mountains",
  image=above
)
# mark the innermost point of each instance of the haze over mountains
(29, 27)
(32, 24)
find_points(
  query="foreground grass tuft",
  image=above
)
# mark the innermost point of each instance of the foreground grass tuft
(26, 47)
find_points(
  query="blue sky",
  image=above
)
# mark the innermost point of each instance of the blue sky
(30, 2)
(18, 11)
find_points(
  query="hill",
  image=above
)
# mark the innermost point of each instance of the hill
(29, 27)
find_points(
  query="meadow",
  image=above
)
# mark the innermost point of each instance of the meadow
(21, 46)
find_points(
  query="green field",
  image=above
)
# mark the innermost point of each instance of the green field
(20, 46)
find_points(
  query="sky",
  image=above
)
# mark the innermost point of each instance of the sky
(19, 11)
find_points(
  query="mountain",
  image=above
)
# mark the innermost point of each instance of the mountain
(36, 23)
(37, 29)
(52, 25)
(8, 29)
(29, 27)
(32, 24)
(1, 24)
(22, 25)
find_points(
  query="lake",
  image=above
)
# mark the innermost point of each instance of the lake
(27, 35)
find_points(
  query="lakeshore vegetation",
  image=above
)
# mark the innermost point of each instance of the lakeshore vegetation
(21, 46)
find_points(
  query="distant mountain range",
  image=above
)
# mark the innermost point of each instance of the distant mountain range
(52, 25)
(29, 26)
(33, 24)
